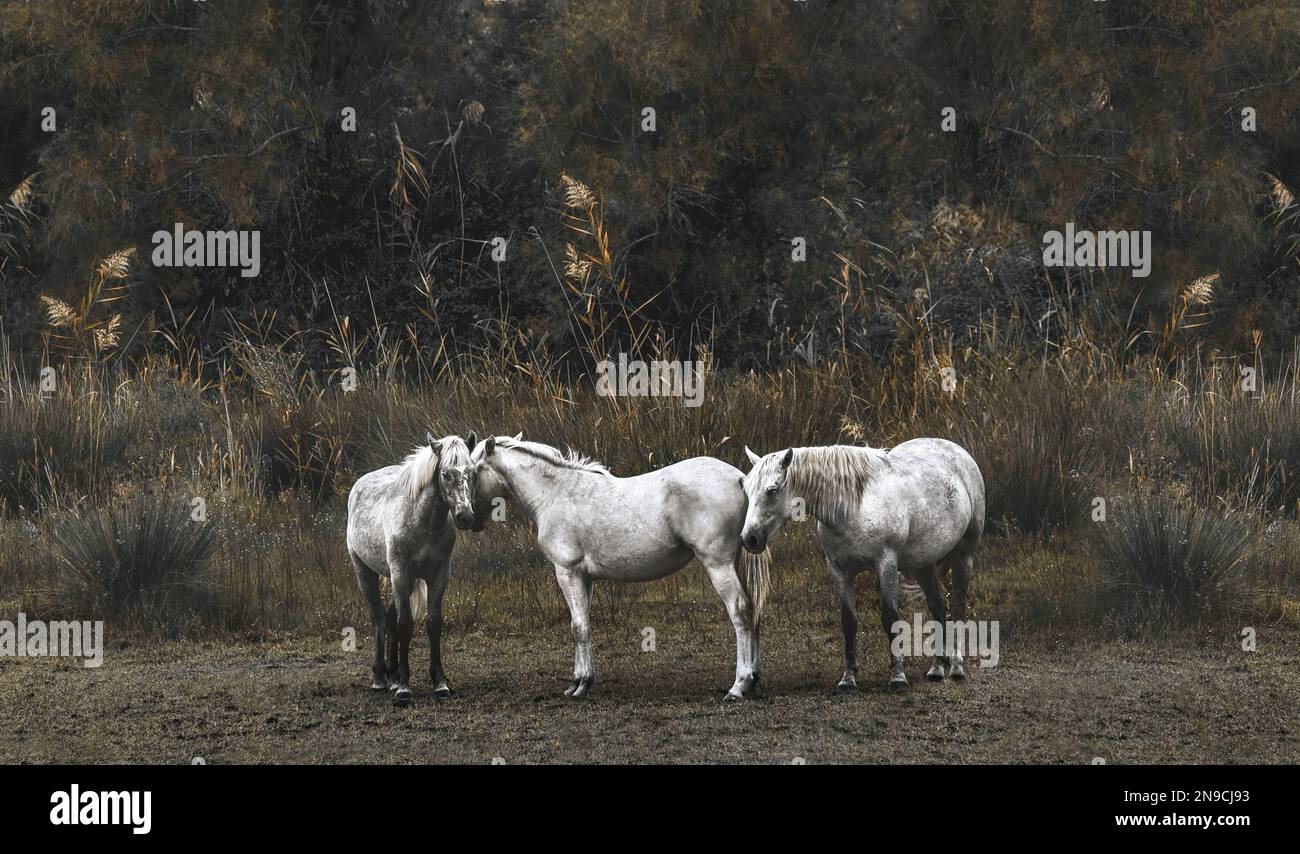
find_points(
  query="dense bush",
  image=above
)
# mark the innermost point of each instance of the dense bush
(58, 444)
(1035, 442)
(1168, 558)
(1245, 445)
(140, 560)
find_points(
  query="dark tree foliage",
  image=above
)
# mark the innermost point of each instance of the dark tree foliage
(774, 120)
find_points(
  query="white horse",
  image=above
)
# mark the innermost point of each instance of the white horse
(399, 527)
(917, 509)
(594, 526)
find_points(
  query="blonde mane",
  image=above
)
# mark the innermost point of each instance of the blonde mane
(570, 459)
(420, 466)
(829, 479)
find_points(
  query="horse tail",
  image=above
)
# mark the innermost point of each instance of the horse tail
(752, 570)
(419, 600)
(912, 596)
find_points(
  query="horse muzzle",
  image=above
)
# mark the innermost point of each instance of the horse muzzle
(754, 543)
(464, 519)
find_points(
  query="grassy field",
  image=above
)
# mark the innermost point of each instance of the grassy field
(1072, 684)
(303, 700)
(837, 211)
(1141, 515)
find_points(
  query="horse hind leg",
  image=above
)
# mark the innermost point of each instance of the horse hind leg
(963, 566)
(931, 581)
(368, 581)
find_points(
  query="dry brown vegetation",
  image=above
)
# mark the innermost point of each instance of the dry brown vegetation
(133, 397)
(271, 446)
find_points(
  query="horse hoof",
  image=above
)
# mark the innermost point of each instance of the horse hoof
(378, 686)
(959, 676)
(935, 676)
(402, 697)
(896, 685)
(442, 694)
(732, 698)
(846, 688)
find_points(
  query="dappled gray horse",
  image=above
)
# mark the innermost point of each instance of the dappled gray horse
(399, 527)
(917, 509)
(594, 526)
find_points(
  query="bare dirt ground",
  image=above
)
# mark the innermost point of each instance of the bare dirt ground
(304, 700)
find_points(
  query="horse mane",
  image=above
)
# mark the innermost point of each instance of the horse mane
(569, 459)
(420, 466)
(830, 479)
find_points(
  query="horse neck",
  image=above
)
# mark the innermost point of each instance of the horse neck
(533, 482)
(430, 509)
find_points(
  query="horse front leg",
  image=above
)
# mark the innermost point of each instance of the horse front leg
(390, 634)
(848, 593)
(437, 587)
(887, 584)
(576, 587)
(403, 583)
(723, 575)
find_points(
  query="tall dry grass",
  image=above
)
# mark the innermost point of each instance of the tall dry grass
(271, 441)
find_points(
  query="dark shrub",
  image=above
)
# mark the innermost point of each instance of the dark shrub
(1244, 445)
(64, 443)
(1167, 558)
(1037, 452)
(142, 560)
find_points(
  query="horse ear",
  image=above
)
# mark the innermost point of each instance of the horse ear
(428, 438)
(519, 435)
(753, 457)
(787, 458)
(471, 439)
(483, 451)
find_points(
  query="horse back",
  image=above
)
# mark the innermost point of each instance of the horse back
(699, 498)
(927, 497)
(656, 519)
(945, 464)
